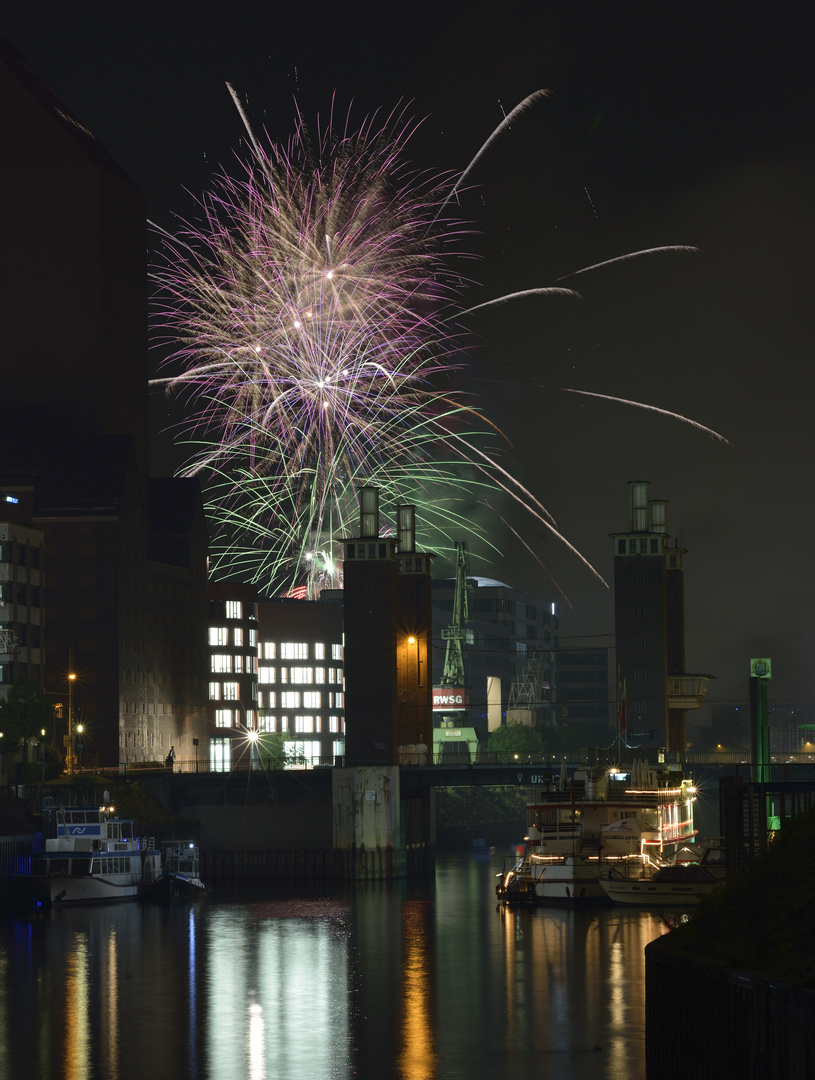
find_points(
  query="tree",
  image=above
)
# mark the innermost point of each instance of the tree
(24, 713)
(517, 738)
(272, 750)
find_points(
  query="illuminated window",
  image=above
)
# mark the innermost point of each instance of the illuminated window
(336, 652)
(269, 652)
(312, 699)
(284, 674)
(269, 699)
(319, 650)
(319, 675)
(220, 755)
(266, 674)
(215, 691)
(221, 663)
(294, 650)
(231, 691)
(267, 724)
(253, 638)
(223, 718)
(284, 723)
(304, 723)
(237, 636)
(332, 675)
(234, 609)
(290, 699)
(338, 700)
(238, 661)
(339, 747)
(301, 675)
(218, 635)
(334, 723)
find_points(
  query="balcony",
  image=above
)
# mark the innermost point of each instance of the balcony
(687, 691)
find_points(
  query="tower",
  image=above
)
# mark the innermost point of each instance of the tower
(649, 610)
(388, 627)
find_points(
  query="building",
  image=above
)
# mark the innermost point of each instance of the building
(123, 579)
(650, 627)
(507, 628)
(233, 673)
(22, 574)
(583, 697)
(388, 623)
(300, 679)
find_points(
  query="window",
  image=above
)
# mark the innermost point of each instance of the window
(238, 662)
(218, 635)
(237, 636)
(214, 691)
(269, 650)
(332, 675)
(269, 699)
(220, 755)
(223, 718)
(312, 699)
(334, 723)
(304, 723)
(253, 638)
(338, 700)
(319, 651)
(231, 691)
(221, 663)
(234, 609)
(290, 699)
(293, 650)
(301, 675)
(336, 652)
(319, 675)
(267, 724)
(266, 674)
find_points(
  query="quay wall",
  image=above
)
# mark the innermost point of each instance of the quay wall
(706, 1021)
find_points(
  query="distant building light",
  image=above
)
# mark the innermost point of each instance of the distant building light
(11, 499)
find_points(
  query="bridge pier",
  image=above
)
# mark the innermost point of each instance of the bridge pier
(379, 833)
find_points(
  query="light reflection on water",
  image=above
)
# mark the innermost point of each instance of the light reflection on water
(413, 981)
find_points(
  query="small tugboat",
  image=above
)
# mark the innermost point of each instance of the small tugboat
(180, 878)
(91, 857)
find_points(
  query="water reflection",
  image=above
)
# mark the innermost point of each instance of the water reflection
(407, 981)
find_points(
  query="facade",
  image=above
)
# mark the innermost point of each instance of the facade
(123, 577)
(650, 628)
(583, 696)
(508, 627)
(388, 624)
(22, 574)
(300, 679)
(233, 673)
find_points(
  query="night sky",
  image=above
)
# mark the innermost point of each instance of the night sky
(669, 124)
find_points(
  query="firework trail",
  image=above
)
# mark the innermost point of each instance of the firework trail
(309, 309)
(311, 312)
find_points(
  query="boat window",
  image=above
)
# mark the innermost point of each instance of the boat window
(80, 867)
(38, 867)
(58, 866)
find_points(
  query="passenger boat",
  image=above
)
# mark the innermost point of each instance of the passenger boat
(578, 830)
(180, 878)
(91, 857)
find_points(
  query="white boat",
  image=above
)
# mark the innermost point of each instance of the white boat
(577, 831)
(92, 857)
(675, 885)
(180, 878)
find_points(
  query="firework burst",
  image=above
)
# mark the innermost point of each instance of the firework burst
(312, 311)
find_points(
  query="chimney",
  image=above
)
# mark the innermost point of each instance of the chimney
(368, 511)
(406, 527)
(638, 505)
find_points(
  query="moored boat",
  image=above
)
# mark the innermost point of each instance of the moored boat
(577, 831)
(180, 878)
(91, 857)
(681, 884)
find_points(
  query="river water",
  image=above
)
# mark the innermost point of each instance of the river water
(411, 981)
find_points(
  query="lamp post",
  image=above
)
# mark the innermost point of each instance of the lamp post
(79, 744)
(71, 680)
(42, 757)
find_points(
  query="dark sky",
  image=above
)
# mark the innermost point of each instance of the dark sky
(669, 124)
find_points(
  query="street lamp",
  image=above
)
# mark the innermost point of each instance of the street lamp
(79, 744)
(71, 680)
(42, 756)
